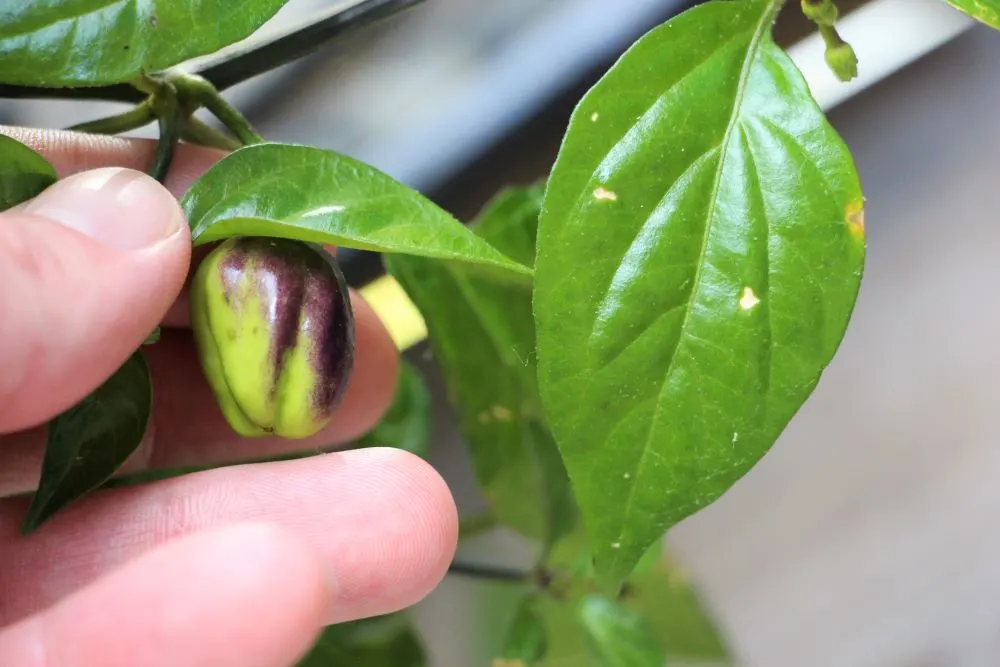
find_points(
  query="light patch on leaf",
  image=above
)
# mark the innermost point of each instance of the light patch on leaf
(748, 299)
(502, 414)
(855, 217)
(603, 194)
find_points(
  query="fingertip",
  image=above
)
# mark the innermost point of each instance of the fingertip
(90, 267)
(418, 520)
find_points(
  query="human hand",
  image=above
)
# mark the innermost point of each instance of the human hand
(234, 567)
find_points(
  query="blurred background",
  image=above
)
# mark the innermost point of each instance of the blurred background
(865, 538)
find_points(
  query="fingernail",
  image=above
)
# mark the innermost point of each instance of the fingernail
(121, 208)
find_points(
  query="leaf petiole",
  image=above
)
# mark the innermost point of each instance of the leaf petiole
(139, 116)
(198, 132)
(198, 91)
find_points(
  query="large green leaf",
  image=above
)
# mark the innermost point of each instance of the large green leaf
(700, 251)
(383, 641)
(658, 589)
(985, 11)
(23, 173)
(97, 42)
(316, 195)
(90, 441)
(482, 335)
(618, 636)
(407, 424)
(526, 641)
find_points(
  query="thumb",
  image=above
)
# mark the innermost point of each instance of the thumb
(87, 270)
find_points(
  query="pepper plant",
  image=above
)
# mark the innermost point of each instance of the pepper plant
(620, 343)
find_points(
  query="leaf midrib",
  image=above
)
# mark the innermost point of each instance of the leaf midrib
(751, 55)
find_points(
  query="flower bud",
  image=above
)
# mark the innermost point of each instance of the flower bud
(274, 330)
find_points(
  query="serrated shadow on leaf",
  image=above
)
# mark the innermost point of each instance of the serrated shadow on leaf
(720, 271)
(316, 195)
(480, 329)
(98, 42)
(89, 442)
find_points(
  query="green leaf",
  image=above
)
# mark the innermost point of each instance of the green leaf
(676, 614)
(407, 424)
(700, 251)
(383, 641)
(98, 42)
(618, 636)
(316, 195)
(482, 335)
(90, 441)
(23, 173)
(985, 11)
(659, 588)
(526, 641)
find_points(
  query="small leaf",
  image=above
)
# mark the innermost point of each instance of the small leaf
(23, 173)
(984, 11)
(676, 614)
(700, 251)
(383, 641)
(527, 640)
(90, 441)
(316, 195)
(480, 329)
(97, 42)
(407, 424)
(618, 636)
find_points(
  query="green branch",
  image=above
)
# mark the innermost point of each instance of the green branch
(242, 61)
(132, 119)
(490, 572)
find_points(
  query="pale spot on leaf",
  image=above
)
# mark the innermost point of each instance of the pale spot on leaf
(616, 545)
(748, 299)
(594, 116)
(855, 217)
(605, 195)
(501, 413)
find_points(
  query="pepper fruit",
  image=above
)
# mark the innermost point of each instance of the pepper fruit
(274, 330)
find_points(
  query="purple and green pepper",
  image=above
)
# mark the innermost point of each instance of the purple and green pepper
(274, 329)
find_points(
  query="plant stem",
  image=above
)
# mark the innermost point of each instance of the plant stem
(240, 62)
(197, 132)
(120, 92)
(168, 114)
(475, 525)
(490, 572)
(132, 119)
(197, 89)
